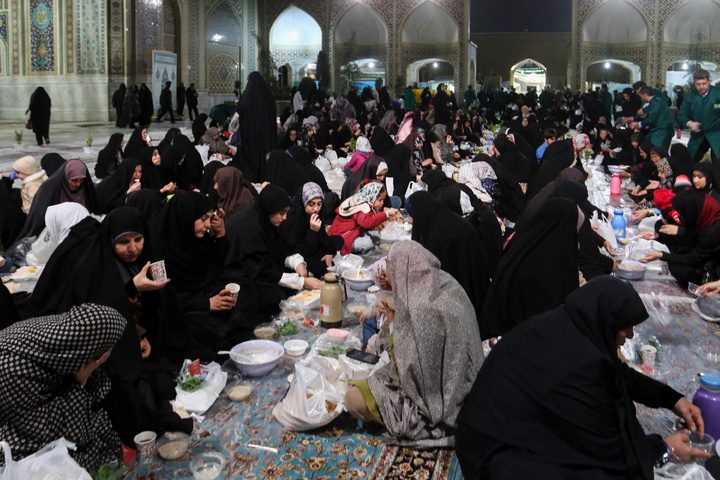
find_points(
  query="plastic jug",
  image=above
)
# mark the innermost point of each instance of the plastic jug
(707, 399)
(615, 185)
(331, 302)
(618, 223)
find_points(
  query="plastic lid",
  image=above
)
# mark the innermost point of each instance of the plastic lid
(710, 381)
(618, 211)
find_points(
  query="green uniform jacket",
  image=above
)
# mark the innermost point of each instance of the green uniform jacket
(705, 110)
(658, 119)
(409, 99)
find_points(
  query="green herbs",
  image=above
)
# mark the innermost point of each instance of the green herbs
(287, 328)
(333, 352)
(190, 383)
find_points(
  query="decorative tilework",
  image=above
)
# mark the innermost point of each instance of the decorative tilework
(70, 36)
(3, 25)
(117, 37)
(15, 38)
(193, 43)
(3, 58)
(222, 73)
(251, 44)
(168, 18)
(41, 17)
(224, 21)
(91, 38)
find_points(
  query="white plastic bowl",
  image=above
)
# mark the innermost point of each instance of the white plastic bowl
(350, 276)
(616, 169)
(265, 352)
(296, 347)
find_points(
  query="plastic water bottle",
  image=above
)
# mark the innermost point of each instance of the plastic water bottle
(615, 185)
(618, 224)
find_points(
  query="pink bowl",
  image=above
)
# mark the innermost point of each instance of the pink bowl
(337, 335)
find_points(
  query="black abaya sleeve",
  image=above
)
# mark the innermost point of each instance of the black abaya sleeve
(648, 391)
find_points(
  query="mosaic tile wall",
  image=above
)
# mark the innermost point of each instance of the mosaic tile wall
(393, 14)
(92, 42)
(653, 58)
(3, 40)
(117, 37)
(41, 24)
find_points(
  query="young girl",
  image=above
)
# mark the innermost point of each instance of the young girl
(360, 213)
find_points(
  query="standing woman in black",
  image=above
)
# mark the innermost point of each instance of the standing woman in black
(40, 115)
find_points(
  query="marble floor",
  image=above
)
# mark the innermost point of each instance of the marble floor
(69, 140)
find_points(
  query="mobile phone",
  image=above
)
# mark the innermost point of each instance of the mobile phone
(363, 356)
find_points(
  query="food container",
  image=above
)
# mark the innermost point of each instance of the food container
(358, 281)
(172, 445)
(264, 355)
(631, 270)
(616, 168)
(385, 247)
(296, 347)
(207, 466)
(238, 391)
(356, 310)
(265, 333)
(337, 336)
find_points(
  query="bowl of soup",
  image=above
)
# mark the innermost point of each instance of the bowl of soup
(256, 357)
(358, 280)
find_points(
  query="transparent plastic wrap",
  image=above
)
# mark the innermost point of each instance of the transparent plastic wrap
(658, 313)
(394, 232)
(19, 250)
(302, 301)
(52, 462)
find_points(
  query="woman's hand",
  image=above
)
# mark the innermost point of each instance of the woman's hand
(170, 187)
(222, 301)
(650, 257)
(669, 229)
(648, 235)
(680, 449)
(638, 215)
(313, 283)
(387, 310)
(328, 259)
(391, 213)
(145, 284)
(608, 247)
(302, 270)
(133, 188)
(383, 281)
(217, 223)
(709, 289)
(654, 184)
(691, 414)
(315, 222)
(145, 348)
(84, 372)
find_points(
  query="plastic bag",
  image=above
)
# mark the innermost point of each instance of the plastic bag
(394, 232)
(310, 402)
(18, 251)
(362, 244)
(412, 188)
(202, 399)
(604, 229)
(331, 156)
(323, 164)
(679, 471)
(348, 262)
(52, 462)
(41, 249)
(354, 370)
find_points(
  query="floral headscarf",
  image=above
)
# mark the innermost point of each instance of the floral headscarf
(581, 142)
(362, 201)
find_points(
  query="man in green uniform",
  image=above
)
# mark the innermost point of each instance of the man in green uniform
(700, 112)
(656, 116)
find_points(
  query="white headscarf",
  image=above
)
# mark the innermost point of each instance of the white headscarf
(60, 218)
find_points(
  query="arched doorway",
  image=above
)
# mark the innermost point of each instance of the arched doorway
(295, 40)
(360, 37)
(617, 74)
(528, 75)
(430, 72)
(224, 44)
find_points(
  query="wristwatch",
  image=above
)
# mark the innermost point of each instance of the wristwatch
(665, 458)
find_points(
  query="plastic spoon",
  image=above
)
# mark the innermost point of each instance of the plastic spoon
(235, 354)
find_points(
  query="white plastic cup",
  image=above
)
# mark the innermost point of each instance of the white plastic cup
(145, 446)
(158, 272)
(234, 289)
(648, 355)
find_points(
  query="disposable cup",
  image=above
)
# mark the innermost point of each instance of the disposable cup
(157, 271)
(648, 355)
(145, 446)
(234, 289)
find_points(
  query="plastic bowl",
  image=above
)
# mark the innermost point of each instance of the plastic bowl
(296, 347)
(337, 336)
(631, 274)
(264, 353)
(352, 281)
(616, 169)
(172, 445)
(207, 466)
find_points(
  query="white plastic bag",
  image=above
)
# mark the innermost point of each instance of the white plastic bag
(412, 188)
(331, 156)
(348, 262)
(604, 229)
(202, 399)
(323, 163)
(682, 471)
(52, 462)
(307, 401)
(354, 370)
(41, 250)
